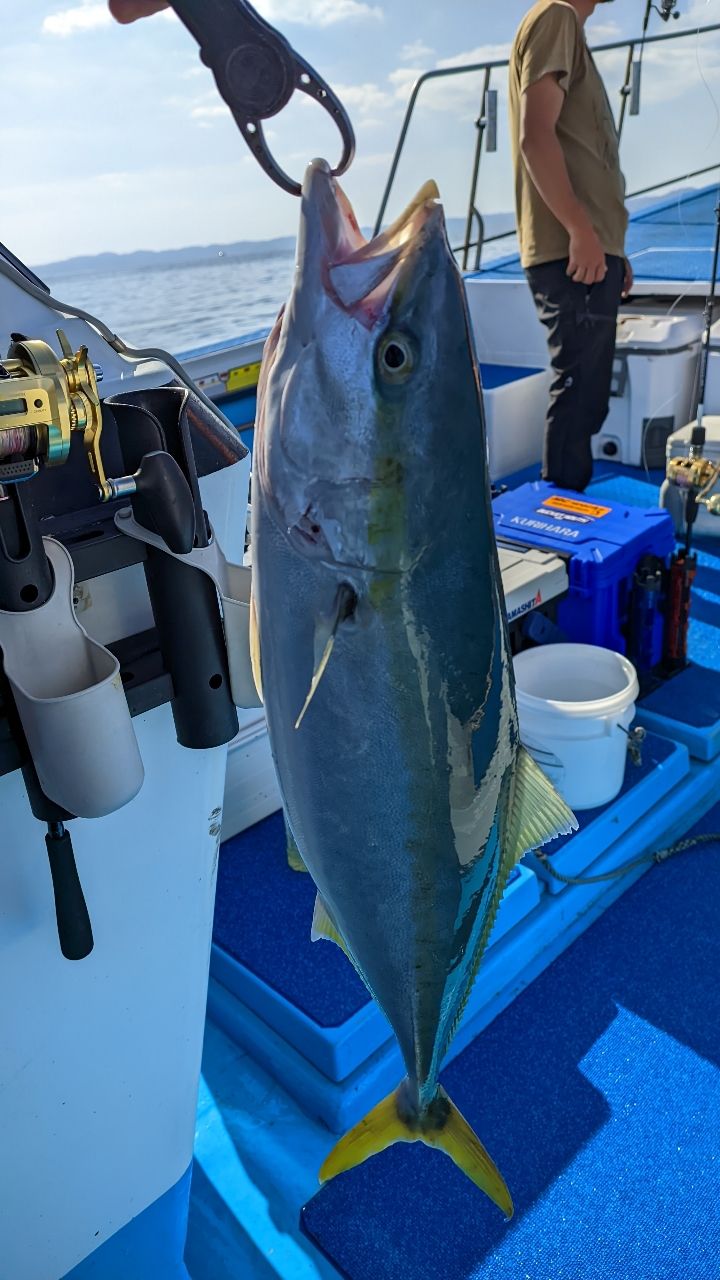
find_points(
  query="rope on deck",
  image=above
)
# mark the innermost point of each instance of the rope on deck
(661, 855)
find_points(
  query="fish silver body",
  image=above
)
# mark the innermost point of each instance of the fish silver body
(386, 668)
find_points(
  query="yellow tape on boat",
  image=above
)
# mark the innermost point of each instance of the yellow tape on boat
(244, 377)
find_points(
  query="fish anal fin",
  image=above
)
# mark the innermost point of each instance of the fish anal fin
(442, 1126)
(536, 814)
(323, 926)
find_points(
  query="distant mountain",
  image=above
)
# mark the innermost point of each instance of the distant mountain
(242, 250)
(281, 246)
(194, 255)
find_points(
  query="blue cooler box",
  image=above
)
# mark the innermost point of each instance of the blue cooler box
(602, 542)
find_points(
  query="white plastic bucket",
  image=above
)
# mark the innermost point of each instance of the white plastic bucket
(576, 703)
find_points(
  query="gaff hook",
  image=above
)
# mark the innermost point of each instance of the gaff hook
(257, 72)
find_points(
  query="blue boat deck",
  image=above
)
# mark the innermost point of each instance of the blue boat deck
(672, 242)
(589, 1063)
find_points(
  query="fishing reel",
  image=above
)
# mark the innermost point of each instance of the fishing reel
(696, 476)
(44, 399)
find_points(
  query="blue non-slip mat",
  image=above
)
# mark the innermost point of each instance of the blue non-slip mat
(629, 485)
(598, 1093)
(314, 1003)
(671, 241)
(263, 917)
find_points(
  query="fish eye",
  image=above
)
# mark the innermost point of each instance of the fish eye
(395, 357)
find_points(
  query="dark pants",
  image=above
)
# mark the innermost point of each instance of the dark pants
(581, 323)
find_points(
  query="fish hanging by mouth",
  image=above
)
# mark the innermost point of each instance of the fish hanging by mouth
(380, 635)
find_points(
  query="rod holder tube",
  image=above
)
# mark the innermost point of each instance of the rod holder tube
(69, 697)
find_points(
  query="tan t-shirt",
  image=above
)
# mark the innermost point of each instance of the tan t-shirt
(550, 40)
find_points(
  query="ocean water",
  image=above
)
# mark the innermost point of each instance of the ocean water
(181, 307)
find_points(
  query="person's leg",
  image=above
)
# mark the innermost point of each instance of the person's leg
(581, 325)
(603, 303)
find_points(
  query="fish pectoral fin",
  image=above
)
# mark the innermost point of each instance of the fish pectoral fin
(326, 630)
(442, 1126)
(537, 813)
(324, 926)
(255, 647)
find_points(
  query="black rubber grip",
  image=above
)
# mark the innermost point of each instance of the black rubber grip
(73, 921)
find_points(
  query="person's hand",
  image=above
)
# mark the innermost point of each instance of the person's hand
(629, 280)
(587, 263)
(129, 10)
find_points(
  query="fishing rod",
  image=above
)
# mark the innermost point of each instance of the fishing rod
(697, 476)
(630, 91)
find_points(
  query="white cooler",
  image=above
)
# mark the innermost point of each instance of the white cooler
(654, 380)
(515, 401)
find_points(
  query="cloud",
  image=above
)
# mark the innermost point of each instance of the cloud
(366, 99)
(599, 32)
(453, 93)
(209, 112)
(415, 52)
(84, 17)
(317, 13)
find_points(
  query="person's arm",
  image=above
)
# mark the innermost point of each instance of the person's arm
(129, 10)
(542, 103)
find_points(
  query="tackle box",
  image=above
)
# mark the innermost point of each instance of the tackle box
(602, 542)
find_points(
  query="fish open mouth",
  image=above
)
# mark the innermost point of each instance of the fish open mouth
(359, 272)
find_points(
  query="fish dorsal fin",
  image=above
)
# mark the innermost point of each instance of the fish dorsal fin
(325, 632)
(255, 647)
(537, 813)
(324, 926)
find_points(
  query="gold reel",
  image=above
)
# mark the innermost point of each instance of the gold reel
(43, 400)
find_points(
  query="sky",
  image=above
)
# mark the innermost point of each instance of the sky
(115, 138)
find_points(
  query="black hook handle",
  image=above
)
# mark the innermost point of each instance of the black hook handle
(73, 919)
(257, 71)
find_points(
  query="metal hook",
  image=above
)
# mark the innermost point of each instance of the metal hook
(257, 72)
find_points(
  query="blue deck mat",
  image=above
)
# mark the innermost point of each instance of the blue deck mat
(673, 240)
(268, 928)
(656, 751)
(256, 884)
(598, 1093)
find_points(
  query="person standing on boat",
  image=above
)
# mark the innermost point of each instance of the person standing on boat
(571, 219)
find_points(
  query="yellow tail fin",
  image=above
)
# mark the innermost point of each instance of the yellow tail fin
(442, 1126)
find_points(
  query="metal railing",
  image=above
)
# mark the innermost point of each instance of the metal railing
(486, 126)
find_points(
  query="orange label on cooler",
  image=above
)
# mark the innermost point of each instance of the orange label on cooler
(577, 507)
